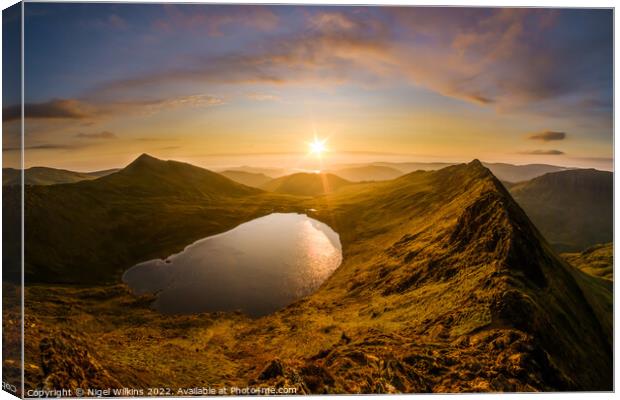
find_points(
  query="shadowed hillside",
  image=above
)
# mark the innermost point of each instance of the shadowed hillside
(573, 209)
(157, 206)
(445, 286)
(306, 184)
(49, 176)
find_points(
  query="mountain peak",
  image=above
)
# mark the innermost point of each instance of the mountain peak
(475, 163)
(149, 175)
(478, 166)
(144, 157)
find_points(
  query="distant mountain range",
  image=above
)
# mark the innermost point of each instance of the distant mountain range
(445, 285)
(306, 184)
(368, 173)
(49, 176)
(253, 179)
(257, 176)
(503, 171)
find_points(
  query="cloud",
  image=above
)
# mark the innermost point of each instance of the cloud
(97, 135)
(150, 139)
(199, 100)
(109, 22)
(505, 58)
(46, 146)
(92, 109)
(53, 109)
(547, 136)
(263, 97)
(317, 55)
(543, 152)
(215, 19)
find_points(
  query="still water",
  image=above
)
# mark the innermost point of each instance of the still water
(258, 267)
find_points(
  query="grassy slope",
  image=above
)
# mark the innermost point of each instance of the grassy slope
(445, 286)
(306, 184)
(597, 260)
(573, 209)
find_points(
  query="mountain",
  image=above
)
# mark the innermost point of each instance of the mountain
(406, 167)
(573, 209)
(271, 172)
(306, 184)
(445, 286)
(157, 206)
(148, 175)
(49, 176)
(597, 260)
(368, 173)
(247, 178)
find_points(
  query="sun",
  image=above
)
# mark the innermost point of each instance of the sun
(318, 146)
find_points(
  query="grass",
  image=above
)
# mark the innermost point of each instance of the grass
(597, 260)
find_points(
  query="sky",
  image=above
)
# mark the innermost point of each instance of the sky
(227, 85)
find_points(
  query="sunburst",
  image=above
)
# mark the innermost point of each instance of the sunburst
(318, 146)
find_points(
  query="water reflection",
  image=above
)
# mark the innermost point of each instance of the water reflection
(258, 267)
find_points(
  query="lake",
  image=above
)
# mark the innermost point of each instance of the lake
(258, 267)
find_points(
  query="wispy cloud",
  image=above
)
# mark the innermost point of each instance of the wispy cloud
(215, 19)
(97, 135)
(91, 109)
(45, 146)
(263, 97)
(53, 109)
(151, 139)
(543, 152)
(548, 136)
(505, 58)
(108, 22)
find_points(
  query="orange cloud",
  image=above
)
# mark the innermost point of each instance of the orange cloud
(543, 152)
(97, 135)
(548, 136)
(56, 108)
